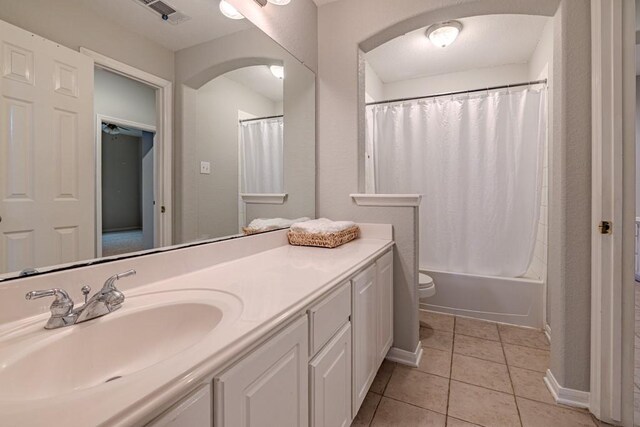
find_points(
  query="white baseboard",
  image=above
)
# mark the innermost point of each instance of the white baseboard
(547, 331)
(566, 396)
(409, 358)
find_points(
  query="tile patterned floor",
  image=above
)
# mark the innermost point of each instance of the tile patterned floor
(472, 373)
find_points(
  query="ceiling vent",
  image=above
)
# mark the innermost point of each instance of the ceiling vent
(164, 11)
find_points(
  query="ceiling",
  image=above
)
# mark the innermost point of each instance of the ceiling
(206, 23)
(321, 2)
(485, 41)
(259, 79)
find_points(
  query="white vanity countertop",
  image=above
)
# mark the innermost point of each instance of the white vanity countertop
(272, 288)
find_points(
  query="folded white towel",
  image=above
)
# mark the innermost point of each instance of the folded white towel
(265, 224)
(321, 226)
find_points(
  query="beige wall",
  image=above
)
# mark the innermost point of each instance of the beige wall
(216, 141)
(123, 98)
(72, 24)
(295, 26)
(199, 64)
(343, 26)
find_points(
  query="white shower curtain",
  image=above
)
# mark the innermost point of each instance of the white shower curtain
(261, 156)
(477, 161)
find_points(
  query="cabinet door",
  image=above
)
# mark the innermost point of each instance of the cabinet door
(330, 374)
(270, 386)
(193, 411)
(364, 324)
(384, 281)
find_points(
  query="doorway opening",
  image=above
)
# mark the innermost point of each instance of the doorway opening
(127, 189)
(127, 172)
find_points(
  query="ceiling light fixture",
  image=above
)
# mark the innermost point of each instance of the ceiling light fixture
(229, 11)
(279, 2)
(445, 33)
(277, 71)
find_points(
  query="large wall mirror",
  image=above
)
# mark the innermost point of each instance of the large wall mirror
(134, 125)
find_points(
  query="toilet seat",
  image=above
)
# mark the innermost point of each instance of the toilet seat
(426, 287)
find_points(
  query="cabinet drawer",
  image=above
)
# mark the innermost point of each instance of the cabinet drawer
(328, 316)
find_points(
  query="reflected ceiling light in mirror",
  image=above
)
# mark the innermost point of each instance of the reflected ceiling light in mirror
(277, 71)
(229, 11)
(279, 2)
(445, 33)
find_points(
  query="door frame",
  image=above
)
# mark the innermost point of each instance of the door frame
(101, 118)
(163, 142)
(613, 199)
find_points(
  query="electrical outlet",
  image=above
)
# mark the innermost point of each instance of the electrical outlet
(205, 168)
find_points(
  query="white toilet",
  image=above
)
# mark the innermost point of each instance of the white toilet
(426, 287)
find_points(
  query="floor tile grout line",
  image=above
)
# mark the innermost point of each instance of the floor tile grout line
(375, 411)
(513, 389)
(480, 358)
(412, 404)
(453, 343)
(395, 365)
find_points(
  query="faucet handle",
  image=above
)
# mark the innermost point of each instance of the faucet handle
(109, 283)
(86, 289)
(61, 307)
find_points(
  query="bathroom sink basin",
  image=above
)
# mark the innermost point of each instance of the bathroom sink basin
(147, 330)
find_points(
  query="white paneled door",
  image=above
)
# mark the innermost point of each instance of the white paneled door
(47, 170)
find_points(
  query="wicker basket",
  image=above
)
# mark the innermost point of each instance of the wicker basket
(248, 231)
(327, 240)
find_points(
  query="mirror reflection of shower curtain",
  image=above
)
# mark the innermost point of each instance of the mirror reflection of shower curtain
(262, 157)
(477, 160)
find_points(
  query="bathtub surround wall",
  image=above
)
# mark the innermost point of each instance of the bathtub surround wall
(541, 67)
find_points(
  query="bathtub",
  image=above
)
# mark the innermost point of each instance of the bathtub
(518, 301)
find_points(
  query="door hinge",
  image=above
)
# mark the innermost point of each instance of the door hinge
(162, 209)
(605, 227)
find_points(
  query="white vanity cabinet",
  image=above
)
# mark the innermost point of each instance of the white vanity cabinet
(331, 362)
(269, 387)
(314, 372)
(384, 279)
(372, 324)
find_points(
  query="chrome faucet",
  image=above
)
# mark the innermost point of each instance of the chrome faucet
(105, 301)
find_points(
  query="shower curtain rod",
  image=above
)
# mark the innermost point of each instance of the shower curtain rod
(461, 92)
(261, 118)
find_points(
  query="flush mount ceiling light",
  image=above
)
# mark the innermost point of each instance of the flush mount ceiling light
(277, 71)
(229, 11)
(279, 2)
(445, 33)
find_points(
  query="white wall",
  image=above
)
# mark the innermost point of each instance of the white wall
(373, 85)
(216, 140)
(463, 80)
(73, 24)
(123, 98)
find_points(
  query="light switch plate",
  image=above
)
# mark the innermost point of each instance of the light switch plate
(205, 168)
